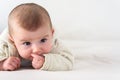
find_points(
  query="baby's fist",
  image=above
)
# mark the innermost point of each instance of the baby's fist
(11, 63)
(37, 61)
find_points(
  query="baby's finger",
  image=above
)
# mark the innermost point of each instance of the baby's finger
(15, 62)
(34, 55)
(18, 61)
(14, 65)
(10, 66)
(37, 64)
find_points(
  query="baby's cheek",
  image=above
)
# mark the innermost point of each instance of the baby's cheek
(24, 54)
(48, 48)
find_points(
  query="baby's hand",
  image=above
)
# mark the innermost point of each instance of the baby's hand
(11, 63)
(37, 61)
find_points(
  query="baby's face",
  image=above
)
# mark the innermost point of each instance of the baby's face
(37, 42)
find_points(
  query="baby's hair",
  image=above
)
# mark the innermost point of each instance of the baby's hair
(29, 16)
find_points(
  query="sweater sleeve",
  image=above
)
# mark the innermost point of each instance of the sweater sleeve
(6, 48)
(59, 59)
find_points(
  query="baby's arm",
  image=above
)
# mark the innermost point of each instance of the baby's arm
(7, 51)
(1, 65)
(60, 59)
(56, 62)
(11, 63)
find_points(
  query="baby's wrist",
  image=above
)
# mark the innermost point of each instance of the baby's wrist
(1, 66)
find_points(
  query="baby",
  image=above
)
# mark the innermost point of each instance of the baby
(30, 40)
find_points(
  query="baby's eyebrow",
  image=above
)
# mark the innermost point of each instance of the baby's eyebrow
(23, 40)
(45, 35)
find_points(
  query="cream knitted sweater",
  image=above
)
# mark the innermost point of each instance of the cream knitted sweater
(59, 58)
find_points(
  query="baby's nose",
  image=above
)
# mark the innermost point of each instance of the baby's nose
(37, 49)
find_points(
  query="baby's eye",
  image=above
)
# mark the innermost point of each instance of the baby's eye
(26, 43)
(43, 40)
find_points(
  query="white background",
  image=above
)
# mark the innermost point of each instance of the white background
(85, 20)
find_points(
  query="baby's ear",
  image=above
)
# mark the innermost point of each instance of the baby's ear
(10, 37)
(52, 31)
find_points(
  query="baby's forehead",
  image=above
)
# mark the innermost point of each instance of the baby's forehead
(26, 25)
(35, 35)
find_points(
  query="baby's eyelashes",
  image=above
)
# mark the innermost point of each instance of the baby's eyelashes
(43, 40)
(26, 43)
